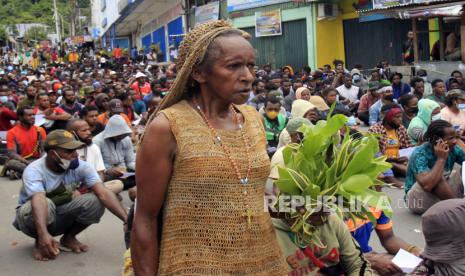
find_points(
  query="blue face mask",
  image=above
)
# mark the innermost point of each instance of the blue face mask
(461, 106)
(3, 99)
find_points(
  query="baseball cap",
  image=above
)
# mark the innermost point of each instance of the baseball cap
(140, 75)
(456, 93)
(116, 106)
(62, 139)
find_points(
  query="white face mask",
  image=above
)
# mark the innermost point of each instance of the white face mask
(436, 117)
(64, 163)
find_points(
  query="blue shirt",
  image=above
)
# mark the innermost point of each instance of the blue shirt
(139, 107)
(37, 178)
(361, 229)
(423, 160)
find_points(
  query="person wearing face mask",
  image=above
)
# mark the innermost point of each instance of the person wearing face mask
(117, 151)
(274, 123)
(48, 205)
(386, 96)
(431, 176)
(392, 136)
(428, 111)
(409, 103)
(454, 112)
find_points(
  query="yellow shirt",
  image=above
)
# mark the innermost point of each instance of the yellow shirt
(392, 144)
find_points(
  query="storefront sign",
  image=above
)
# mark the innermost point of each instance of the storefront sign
(207, 13)
(382, 4)
(237, 5)
(268, 23)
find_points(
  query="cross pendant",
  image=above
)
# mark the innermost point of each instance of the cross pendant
(249, 214)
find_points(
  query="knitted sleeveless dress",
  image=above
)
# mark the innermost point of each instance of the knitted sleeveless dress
(205, 231)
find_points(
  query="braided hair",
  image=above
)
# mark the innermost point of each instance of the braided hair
(436, 131)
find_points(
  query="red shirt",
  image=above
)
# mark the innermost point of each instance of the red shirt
(144, 90)
(56, 110)
(24, 141)
(6, 115)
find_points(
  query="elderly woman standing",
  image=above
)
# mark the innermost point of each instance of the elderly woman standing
(202, 167)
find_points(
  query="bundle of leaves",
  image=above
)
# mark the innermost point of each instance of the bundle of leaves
(334, 173)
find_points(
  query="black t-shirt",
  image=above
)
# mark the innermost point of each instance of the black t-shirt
(98, 128)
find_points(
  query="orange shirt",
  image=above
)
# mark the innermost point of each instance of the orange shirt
(103, 119)
(24, 141)
(117, 52)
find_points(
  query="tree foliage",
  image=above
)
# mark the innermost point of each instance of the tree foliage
(36, 33)
(39, 11)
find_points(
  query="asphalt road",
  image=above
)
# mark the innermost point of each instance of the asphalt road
(107, 245)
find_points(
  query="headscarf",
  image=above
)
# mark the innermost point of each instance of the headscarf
(423, 118)
(319, 103)
(300, 107)
(392, 113)
(291, 70)
(299, 91)
(191, 52)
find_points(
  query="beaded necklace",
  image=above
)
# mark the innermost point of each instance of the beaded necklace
(244, 181)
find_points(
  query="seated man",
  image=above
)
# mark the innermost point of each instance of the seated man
(392, 137)
(115, 106)
(430, 174)
(24, 143)
(90, 115)
(380, 262)
(91, 154)
(48, 204)
(55, 117)
(117, 150)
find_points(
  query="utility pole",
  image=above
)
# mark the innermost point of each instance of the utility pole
(57, 29)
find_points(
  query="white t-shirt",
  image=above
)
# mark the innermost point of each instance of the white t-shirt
(452, 118)
(349, 93)
(92, 155)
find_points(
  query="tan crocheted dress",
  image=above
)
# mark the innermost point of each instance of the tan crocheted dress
(205, 231)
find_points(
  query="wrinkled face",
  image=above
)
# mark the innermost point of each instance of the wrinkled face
(91, 118)
(439, 88)
(232, 73)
